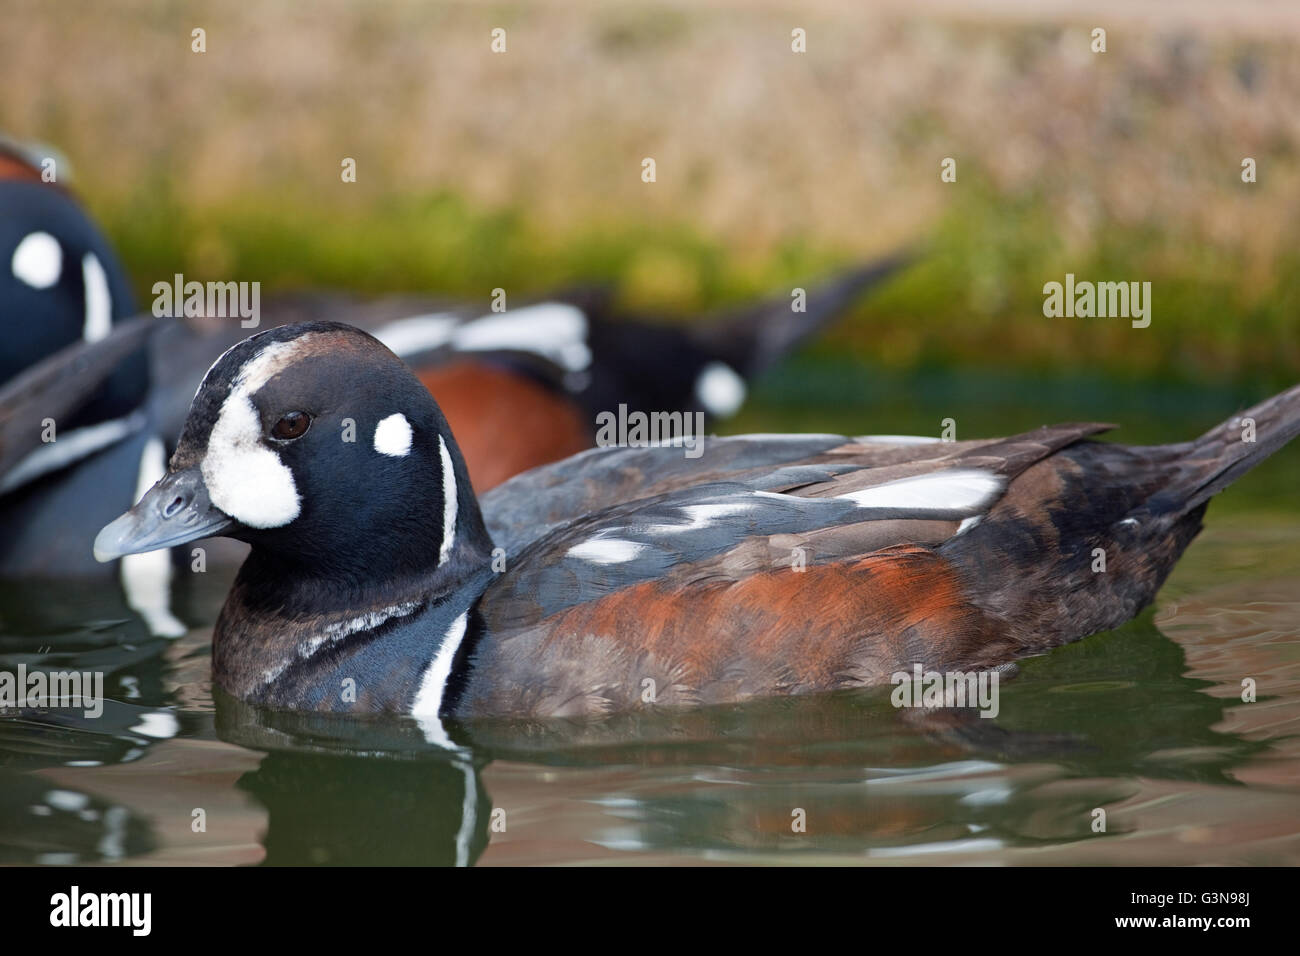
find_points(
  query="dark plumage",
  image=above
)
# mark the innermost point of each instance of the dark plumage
(62, 293)
(635, 577)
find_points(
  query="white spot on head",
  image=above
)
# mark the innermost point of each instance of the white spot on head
(38, 260)
(448, 502)
(957, 489)
(246, 479)
(606, 550)
(99, 303)
(393, 436)
(720, 390)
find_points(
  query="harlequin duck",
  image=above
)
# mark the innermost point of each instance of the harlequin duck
(62, 288)
(634, 575)
(60, 281)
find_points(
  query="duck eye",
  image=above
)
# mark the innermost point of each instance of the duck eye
(291, 426)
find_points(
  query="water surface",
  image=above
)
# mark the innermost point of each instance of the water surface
(1146, 723)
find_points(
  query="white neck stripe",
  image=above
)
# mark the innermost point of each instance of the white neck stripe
(433, 685)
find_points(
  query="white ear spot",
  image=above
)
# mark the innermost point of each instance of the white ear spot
(393, 436)
(38, 260)
(720, 390)
(99, 304)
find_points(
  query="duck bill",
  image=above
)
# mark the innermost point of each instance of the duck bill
(175, 511)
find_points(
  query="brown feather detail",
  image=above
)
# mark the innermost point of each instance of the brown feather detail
(705, 639)
(503, 422)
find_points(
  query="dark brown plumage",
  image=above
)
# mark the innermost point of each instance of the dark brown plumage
(642, 577)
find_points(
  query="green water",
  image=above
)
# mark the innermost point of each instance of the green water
(1145, 725)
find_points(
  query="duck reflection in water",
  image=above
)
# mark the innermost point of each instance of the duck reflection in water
(871, 778)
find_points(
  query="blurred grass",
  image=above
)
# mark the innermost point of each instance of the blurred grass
(521, 170)
(974, 295)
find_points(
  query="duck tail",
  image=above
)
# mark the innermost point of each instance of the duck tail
(1229, 450)
(755, 337)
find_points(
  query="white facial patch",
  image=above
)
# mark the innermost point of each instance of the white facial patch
(38, 260)
(393, 436)
(245, 479)
(99, 303)
(958, 489)
(448, 502)
(720, 390)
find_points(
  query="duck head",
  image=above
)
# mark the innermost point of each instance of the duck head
(317, 446)
(60, 283)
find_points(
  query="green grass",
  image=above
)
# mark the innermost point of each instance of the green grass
(973, 298)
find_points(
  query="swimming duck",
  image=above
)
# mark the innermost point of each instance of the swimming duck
(62, 287)
(634, 577)
(60, 281)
